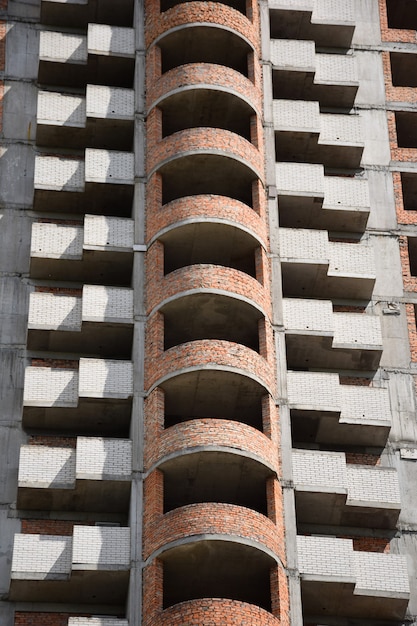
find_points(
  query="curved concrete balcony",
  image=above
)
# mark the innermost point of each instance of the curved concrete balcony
(101, 119)
(214, 279)
(197, 612)
(337, 581)
(196, 210)
(211, 518)
(211, 354)
(95, 476)
(329, 491)
(100, 250)
(212, 434)
(212, 79)
(324, 411)
(308, 198)
(331, 79)
(99, 320)
(317, 337)
(102, 182)
(328, 23)
(304, 134)
(314, 266)
(95, 397)
(72, 60)
(184, 15)
(91, 566)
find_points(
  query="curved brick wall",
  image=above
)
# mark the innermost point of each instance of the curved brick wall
(203, 207)
(198, 13)
(210, 353)
(209, 277)
(205, 140)
(206, 432)
(193, 74)
(209, 518)
(215, 611)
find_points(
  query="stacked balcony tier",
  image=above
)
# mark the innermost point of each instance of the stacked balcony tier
(339, 581)
(93, 476)
(91, 566)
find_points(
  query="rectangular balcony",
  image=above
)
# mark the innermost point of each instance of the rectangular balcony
(91, 566)
(323, 411)
(95, 476)
(313, 266)
(97, 621)
(329, 24)
(307, 197)
(319, 338)
(301, 73)
(101, 119)
(106, 52)
(94, 398)
(303, 134)
(100, 250)
(339, 582)
(329, 491)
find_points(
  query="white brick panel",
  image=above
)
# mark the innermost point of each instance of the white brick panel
(46, 386)
(365, 404)
(316, 390)
(373, 485)
(107, 304)
(54, 312)
(99, 458)
(105, 166)
(290, 54)
(101, 378)
(296, 115)
(308, 315)
(59, 109)
(381, 574)
(42, 556)
(292, 5)
(357, 329)
(108, 232)
(44, 466)
(55, 241)
(341, 129)
(62, 47)
(110, 102)
(304, 244)
(351, 259)
(300, 179)
(335, 69)
(59, 174)
(326, 557)
(111, 40)
(333, 11)
(325, 471)
(352, 193)
(101, 547)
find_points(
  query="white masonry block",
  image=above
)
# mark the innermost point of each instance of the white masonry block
(351, 260)
(365, 405)
(46, 467)
(56, 241)
(101, 548)
(59, 174)
(316, 391)
(357, 330)
(297, 116)
(314, 316)
(300, 179)
(103, 459)
(62, 47)
(381, 574)
(302, 244)
(336, 69)
(100, 378)
(47, 386)
(341, 129)
(104, 233)
(109, 166)
(107, 304)
(333, 12)
(290, 54)
(347, 193)
(326, 558)
(108, 40)
(49, 311)
(58, 109)
(97, 621)
(41, 557)
(370, 486)
(110, 102)
(319, 471)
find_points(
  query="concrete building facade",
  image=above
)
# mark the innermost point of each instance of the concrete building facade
(208, 292)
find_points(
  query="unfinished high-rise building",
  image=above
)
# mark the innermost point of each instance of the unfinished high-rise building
(208, 303)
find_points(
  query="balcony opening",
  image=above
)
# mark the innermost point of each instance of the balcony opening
(409, 189)
(402, 14)
(238, 5)
(209, 244)
(207, 174)
(403, 69)
(211, 393)
(225, 570)
(206, 108)
(406, 125)
(74, 15)
(110, 71)
(211, 316)
(202, 44)
(296, 24)
(412, 254)
(215, 477)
